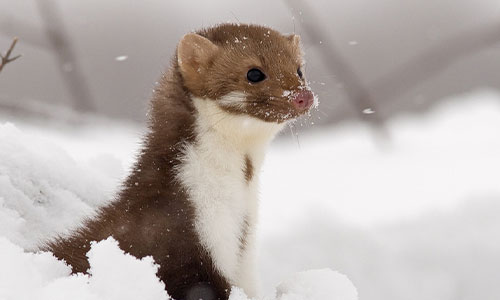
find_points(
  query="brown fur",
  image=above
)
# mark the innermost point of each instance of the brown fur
(248, 169)
(240, 48)
(152, 214)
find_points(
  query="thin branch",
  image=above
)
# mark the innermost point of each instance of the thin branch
(7, 59)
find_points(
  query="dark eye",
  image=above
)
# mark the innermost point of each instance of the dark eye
(255, 75)
(299, 72)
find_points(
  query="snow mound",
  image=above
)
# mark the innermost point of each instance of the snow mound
(114, 275)
(310, 285)
(43, 191)
(317, 285)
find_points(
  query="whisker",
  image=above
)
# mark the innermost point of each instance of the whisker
(294, 134)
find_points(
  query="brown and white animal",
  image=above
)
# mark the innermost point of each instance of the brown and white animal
(191, 199)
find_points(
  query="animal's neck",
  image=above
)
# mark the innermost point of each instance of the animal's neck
(239, 133)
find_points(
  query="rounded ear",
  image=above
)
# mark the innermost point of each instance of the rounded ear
(193, 54)
(294, 39)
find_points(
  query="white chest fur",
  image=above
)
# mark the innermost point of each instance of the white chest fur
(225, 203)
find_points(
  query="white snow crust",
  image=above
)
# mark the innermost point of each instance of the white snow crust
(113, 275)
(414, 218)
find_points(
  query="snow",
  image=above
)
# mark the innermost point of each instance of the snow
(406, 219)
(431, 162)
(368, 111)
(114, 275)
(317, 285)
(310, 285)
(415, 217)
(44, 191)
(121, 58)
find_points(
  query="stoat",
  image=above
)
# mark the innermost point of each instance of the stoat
(190, 201)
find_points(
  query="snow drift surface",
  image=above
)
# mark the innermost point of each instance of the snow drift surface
(44, 192)
(415, 220)
(115, 275)
(310, 285)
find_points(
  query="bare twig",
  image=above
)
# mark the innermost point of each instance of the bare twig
(7, 59)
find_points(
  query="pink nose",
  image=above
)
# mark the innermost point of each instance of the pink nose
(303, 100)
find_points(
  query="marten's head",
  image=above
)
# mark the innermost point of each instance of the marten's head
(246, 69)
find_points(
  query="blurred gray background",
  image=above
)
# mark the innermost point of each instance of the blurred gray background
(386, 56)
